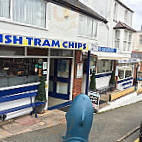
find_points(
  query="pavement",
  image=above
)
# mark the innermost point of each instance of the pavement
(107, 127)
(29, 123)
(49, 119)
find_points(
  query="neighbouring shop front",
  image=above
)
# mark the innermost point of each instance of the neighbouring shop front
(24, 59)
(125, 73)
(102, 61)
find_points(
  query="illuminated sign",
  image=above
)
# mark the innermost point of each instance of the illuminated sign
(40, 42)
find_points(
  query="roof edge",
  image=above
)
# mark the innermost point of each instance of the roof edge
(79, 7)
(124, 5)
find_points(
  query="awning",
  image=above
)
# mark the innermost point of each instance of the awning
(109, 56)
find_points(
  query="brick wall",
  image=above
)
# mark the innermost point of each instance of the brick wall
(141, 66)
(77, 82)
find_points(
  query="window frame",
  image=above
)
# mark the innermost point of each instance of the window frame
(126, 68)
(10, 19)
(5, 18)
(127, 41)
(117, 39)
(92, 27)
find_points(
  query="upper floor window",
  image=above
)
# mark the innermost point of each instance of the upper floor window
(126, 16)
(117, 38)
(140, 41)
(87, 27)
(115, 11)
(127, 41)
(5, 8)
(31, 12)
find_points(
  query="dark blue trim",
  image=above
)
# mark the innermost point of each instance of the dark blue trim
(60, 105)
(103, 75)
(59, 96)
(127, 83)
(124, 80)
(127, 87)
(20, 108)
(88, 73)
(16, 97)
(60, 79)
(18, 90)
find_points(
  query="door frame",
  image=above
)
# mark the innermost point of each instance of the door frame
(72, 72)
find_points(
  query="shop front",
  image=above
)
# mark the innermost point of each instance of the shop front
(125, 73)
(23, 60)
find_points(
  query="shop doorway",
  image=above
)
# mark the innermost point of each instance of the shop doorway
(59, 81)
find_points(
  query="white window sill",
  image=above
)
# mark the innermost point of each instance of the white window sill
(21, 24)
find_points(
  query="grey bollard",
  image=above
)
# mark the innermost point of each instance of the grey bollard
(79, 119)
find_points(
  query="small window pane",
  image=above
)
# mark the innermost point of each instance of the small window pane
(37, 52)
(5, 8)
(103, 66)
(11, 51)
(120, 74)
(128, 73)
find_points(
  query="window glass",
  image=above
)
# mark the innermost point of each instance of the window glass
(120, 74)
(117, 38)
(37, 51)
(140, 39)
(5, 8)
(87, 27)
(18, 71)
(128, 73)
(58, 52)
(115, 11)
(11, 51)
(103, 66)
(126, 16)
(30, 11)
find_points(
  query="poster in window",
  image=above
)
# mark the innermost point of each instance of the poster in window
(79, 73)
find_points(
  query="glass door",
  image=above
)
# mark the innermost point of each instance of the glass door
(60, 76)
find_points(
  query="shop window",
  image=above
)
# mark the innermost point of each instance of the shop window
(128, 73)
(30, 12)
(120, 74)
(18, 71)
(92, 65)
(11, 51)
(104, 66)
(58, 52)
(5, 8)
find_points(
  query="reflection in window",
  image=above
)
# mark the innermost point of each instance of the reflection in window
(120, 74)
(87, 27)
(5, 8)
(30, 12)
(104, 66)
(128, 73)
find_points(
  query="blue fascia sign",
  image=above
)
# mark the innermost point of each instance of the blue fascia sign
(107, 49)
(94, 47)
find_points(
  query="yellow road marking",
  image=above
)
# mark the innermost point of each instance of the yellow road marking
(137, 140)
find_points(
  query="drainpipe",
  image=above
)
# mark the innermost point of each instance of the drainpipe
(88, 73)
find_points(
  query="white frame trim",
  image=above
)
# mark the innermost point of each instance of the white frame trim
(11, 21)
